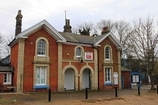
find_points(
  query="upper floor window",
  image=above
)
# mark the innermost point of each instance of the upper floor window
(107, 53)
(78, 52)
(41, 47)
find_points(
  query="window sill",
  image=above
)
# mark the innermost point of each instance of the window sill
(41, 87)
(108, 84)
(6, 83)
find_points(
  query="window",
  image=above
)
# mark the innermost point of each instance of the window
(108, 75)
(41, 47)
(7, 78)
(107, 53)
(78, 52)
(41, 75)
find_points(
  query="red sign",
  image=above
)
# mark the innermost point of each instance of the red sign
(88, 56)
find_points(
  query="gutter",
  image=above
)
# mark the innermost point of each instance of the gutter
(98, 63)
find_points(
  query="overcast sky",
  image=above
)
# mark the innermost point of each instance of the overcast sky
(78, 11)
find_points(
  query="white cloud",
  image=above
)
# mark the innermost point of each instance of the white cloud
(77, 10)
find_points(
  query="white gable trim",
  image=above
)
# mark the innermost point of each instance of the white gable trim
(112, 38)
(38, 26)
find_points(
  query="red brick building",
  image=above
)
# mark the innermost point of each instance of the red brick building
(44, 58)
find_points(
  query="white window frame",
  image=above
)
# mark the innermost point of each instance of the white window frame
(41, 47)
(108, 75)
(7, 78)
(41, 68)
(107, 53)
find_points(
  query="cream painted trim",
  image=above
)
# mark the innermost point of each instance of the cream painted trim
(42, 58)
(85, 61)
(92, 79)
(82, 54)
(47, 76)
(60, 73)
(119, 70)
(76, 75)
(95, 69)
(20, 67)
(111, 57)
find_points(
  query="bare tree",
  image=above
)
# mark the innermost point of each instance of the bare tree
(4, 48)
(105, 23)
(121, 29)
(86, 28)
(144, 45)
(1, 44)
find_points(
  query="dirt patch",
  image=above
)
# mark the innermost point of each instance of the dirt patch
(102, 100)
(125, 97)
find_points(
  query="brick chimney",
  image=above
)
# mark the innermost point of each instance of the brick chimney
(67, 27)
(105, 30)
(18, 23)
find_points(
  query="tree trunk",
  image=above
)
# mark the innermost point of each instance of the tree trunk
(152, 82)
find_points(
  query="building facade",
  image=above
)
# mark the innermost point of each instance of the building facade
(44, 58)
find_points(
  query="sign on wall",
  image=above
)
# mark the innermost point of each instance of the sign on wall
(88, 56)
(135, 78)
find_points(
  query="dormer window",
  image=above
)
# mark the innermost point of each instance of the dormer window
(78, 52)
(41, 47)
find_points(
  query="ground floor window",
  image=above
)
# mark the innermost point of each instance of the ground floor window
(41, 75)
(7, 78)
(108, 76)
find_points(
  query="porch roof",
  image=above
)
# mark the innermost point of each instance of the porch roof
(6, 69)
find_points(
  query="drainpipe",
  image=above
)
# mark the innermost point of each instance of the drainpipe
(98, 64)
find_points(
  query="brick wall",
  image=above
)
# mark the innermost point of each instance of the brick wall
(30, 44)
(101, 62)
(14, 63)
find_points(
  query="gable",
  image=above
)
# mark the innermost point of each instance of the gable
(43, 24)
(111, 37)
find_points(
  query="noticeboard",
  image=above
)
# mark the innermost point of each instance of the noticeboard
(135, 78)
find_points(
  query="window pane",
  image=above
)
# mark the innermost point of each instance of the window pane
(41, 75)
(78, 52)
(41, 47)
(7, 78)
(107, 75)
(107, 53)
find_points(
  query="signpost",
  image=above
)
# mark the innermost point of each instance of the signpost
(115, 75)
(135, 78)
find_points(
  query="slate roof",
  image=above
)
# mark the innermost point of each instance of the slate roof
(65, 36)
(6, 69)
(77, 38)
(124, 69)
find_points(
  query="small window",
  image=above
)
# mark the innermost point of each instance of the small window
(108, 75)
(78, 52)
(41, 75)
(41, 47)
(7, 78)
(107, 53)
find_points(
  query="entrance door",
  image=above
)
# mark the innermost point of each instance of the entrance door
(69, 79)
(86, 79)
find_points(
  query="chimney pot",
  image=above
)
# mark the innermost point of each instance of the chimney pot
(18, 23)
(105, 30)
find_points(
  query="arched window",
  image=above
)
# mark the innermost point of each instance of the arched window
(41, 47)
(107, 53)
(78, 52)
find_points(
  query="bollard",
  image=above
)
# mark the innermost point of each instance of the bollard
(138, 89)
(157, 89)
(86, 96)
(115, 91)
(49, 95)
